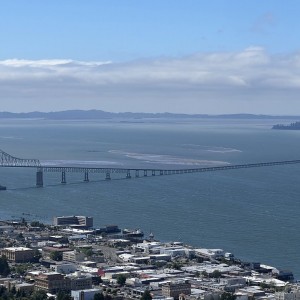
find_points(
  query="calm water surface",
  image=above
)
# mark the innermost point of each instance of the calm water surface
(253, 213)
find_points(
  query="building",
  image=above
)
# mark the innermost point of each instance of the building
(177, 251)
(80, 281)
(293, 295)
(74, 221)
(174, 289)
(64, 268)
(85, 294)
(210, 253)
(25, 288)
(73, 256)
(52, 282)
(232, 283)
(48, 250)
(18, 254)
(6, 229)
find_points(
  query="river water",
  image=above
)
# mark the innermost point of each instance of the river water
(253, 213)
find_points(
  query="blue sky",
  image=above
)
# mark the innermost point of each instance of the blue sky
(44, 44)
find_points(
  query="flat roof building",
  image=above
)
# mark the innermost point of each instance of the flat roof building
(85, 294)
(52, 282)
(174, 289)
(18, 254)
(76, 221)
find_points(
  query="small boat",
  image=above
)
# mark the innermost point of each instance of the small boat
(133, 233)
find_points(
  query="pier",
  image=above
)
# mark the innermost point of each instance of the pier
(9, 161)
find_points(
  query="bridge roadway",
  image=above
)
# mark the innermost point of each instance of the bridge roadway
(6, 160)
(153, 172)
(139, 172)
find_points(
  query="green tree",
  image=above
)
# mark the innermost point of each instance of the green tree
(20, 294)
(20, 236)
(263, 285)
(21, 269)
(87, 251)
(4, 267)
(99, 296)
(107, 297)
(204, 274)
(121, 279)
(37, 224)
(37, 255)
(228, 296)
(55, 255)
(13, 290)
(39, 295)
(216, 274)
(63, 296)
(2, 290)
(176, 265)
(146, 295)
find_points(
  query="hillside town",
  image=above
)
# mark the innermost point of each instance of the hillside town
(70, 259)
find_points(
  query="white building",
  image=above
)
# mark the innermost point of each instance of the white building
(147, 246)
(64, 268)
(85, 294)
(293, 295)
(210, 253)
(126, 257)
(177, 251)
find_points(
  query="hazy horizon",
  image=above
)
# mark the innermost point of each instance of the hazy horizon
(135, 114)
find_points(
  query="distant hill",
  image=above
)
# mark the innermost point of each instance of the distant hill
(99, 114)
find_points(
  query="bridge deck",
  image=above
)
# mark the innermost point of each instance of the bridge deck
(8, 161)
(76, 169)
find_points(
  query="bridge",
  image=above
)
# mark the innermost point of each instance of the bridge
(14, 162)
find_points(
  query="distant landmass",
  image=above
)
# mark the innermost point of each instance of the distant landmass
(99, 114)
(292, 126)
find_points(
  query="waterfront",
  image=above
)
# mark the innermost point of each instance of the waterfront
(252, 213)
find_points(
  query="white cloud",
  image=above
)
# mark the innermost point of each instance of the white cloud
(44, 63)
(220, 82)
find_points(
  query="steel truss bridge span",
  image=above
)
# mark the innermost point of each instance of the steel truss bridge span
(7, 160)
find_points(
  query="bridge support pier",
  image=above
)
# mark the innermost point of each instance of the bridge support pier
(107, 176)
(128, 175)
(137, 173)
(86, 176)
(63, 177)
(145, 173)
(39, 178)
(153, 173)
